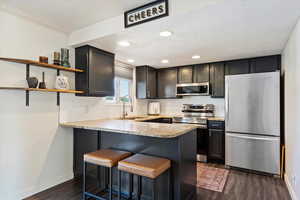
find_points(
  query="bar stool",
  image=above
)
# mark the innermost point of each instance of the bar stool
(145, 166)
(107, 158)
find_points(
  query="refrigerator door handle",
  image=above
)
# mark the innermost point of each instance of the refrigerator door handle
(252, 137)
(226, 103)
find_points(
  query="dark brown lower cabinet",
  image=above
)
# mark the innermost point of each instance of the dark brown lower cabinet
(180, 150)
(216, 145)
(85, 141)
(216, 142)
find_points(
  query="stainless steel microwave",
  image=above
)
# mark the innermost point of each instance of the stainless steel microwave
(192, 89)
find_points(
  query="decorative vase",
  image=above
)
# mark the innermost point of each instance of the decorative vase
(56, 58)
(42, 84)
(65, 55)
(32, 82)
(62, 83)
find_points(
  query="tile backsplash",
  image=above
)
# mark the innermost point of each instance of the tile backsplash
(174, 106)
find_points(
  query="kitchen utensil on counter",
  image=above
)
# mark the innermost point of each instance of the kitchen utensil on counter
(32, 82)
(154, 108)
(42, 84)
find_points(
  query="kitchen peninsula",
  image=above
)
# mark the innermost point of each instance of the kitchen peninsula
(176, 142)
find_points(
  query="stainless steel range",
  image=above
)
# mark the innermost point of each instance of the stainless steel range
(198, 114)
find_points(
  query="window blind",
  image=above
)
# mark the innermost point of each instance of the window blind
(123, 70)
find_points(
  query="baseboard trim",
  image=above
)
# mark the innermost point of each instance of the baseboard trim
(36, 189)
(290, 188)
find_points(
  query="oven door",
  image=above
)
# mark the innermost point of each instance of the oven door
(202, 144)
(202, 140)
(192, 89)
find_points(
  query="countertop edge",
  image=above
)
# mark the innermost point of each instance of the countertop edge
(66, 125)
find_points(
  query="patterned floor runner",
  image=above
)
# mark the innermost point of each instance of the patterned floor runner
(211, 178)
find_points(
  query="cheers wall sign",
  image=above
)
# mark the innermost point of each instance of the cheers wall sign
(146, 13)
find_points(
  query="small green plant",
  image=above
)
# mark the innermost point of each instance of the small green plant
(124, 99)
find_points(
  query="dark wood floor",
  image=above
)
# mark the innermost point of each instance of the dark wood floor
(239, 186)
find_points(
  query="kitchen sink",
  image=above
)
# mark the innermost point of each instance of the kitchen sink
(133, 118)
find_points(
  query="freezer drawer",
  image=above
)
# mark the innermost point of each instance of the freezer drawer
(259, 153)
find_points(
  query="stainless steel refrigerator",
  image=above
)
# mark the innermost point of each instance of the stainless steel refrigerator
(252, 104)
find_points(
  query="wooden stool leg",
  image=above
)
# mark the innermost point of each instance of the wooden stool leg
(84, 183)
(139, 189)
(119, 185)
(110, 183)
(154, 192)
(130, 185)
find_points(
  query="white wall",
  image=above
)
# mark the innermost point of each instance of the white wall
(291, 66)
(35, 152)
(89, 108)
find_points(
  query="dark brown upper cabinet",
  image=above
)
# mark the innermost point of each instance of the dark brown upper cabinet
(185, 74)
(265, 64)
(217, 79)
(201, 73)
(146, 82)
(98, 76)
(166, 83)
(237, 67)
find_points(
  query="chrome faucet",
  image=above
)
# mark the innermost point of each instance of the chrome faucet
(124, 113)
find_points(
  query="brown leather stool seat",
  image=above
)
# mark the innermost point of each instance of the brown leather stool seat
(145, 166)
(107, 158)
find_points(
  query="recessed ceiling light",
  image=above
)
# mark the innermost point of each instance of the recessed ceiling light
(165, 33)
(130, 60)
(196, 57)
(124, 43)
(164, 61)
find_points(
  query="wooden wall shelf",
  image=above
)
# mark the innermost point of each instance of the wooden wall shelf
(45, 65)
(35, 63)
(42, 90)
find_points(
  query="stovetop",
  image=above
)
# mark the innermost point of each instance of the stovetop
(195, 114)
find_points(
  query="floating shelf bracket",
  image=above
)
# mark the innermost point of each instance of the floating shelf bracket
(27, 77)
(58, 94)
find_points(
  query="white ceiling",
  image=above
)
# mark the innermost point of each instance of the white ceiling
(214, 29)
(227, 30)
(70, 15)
